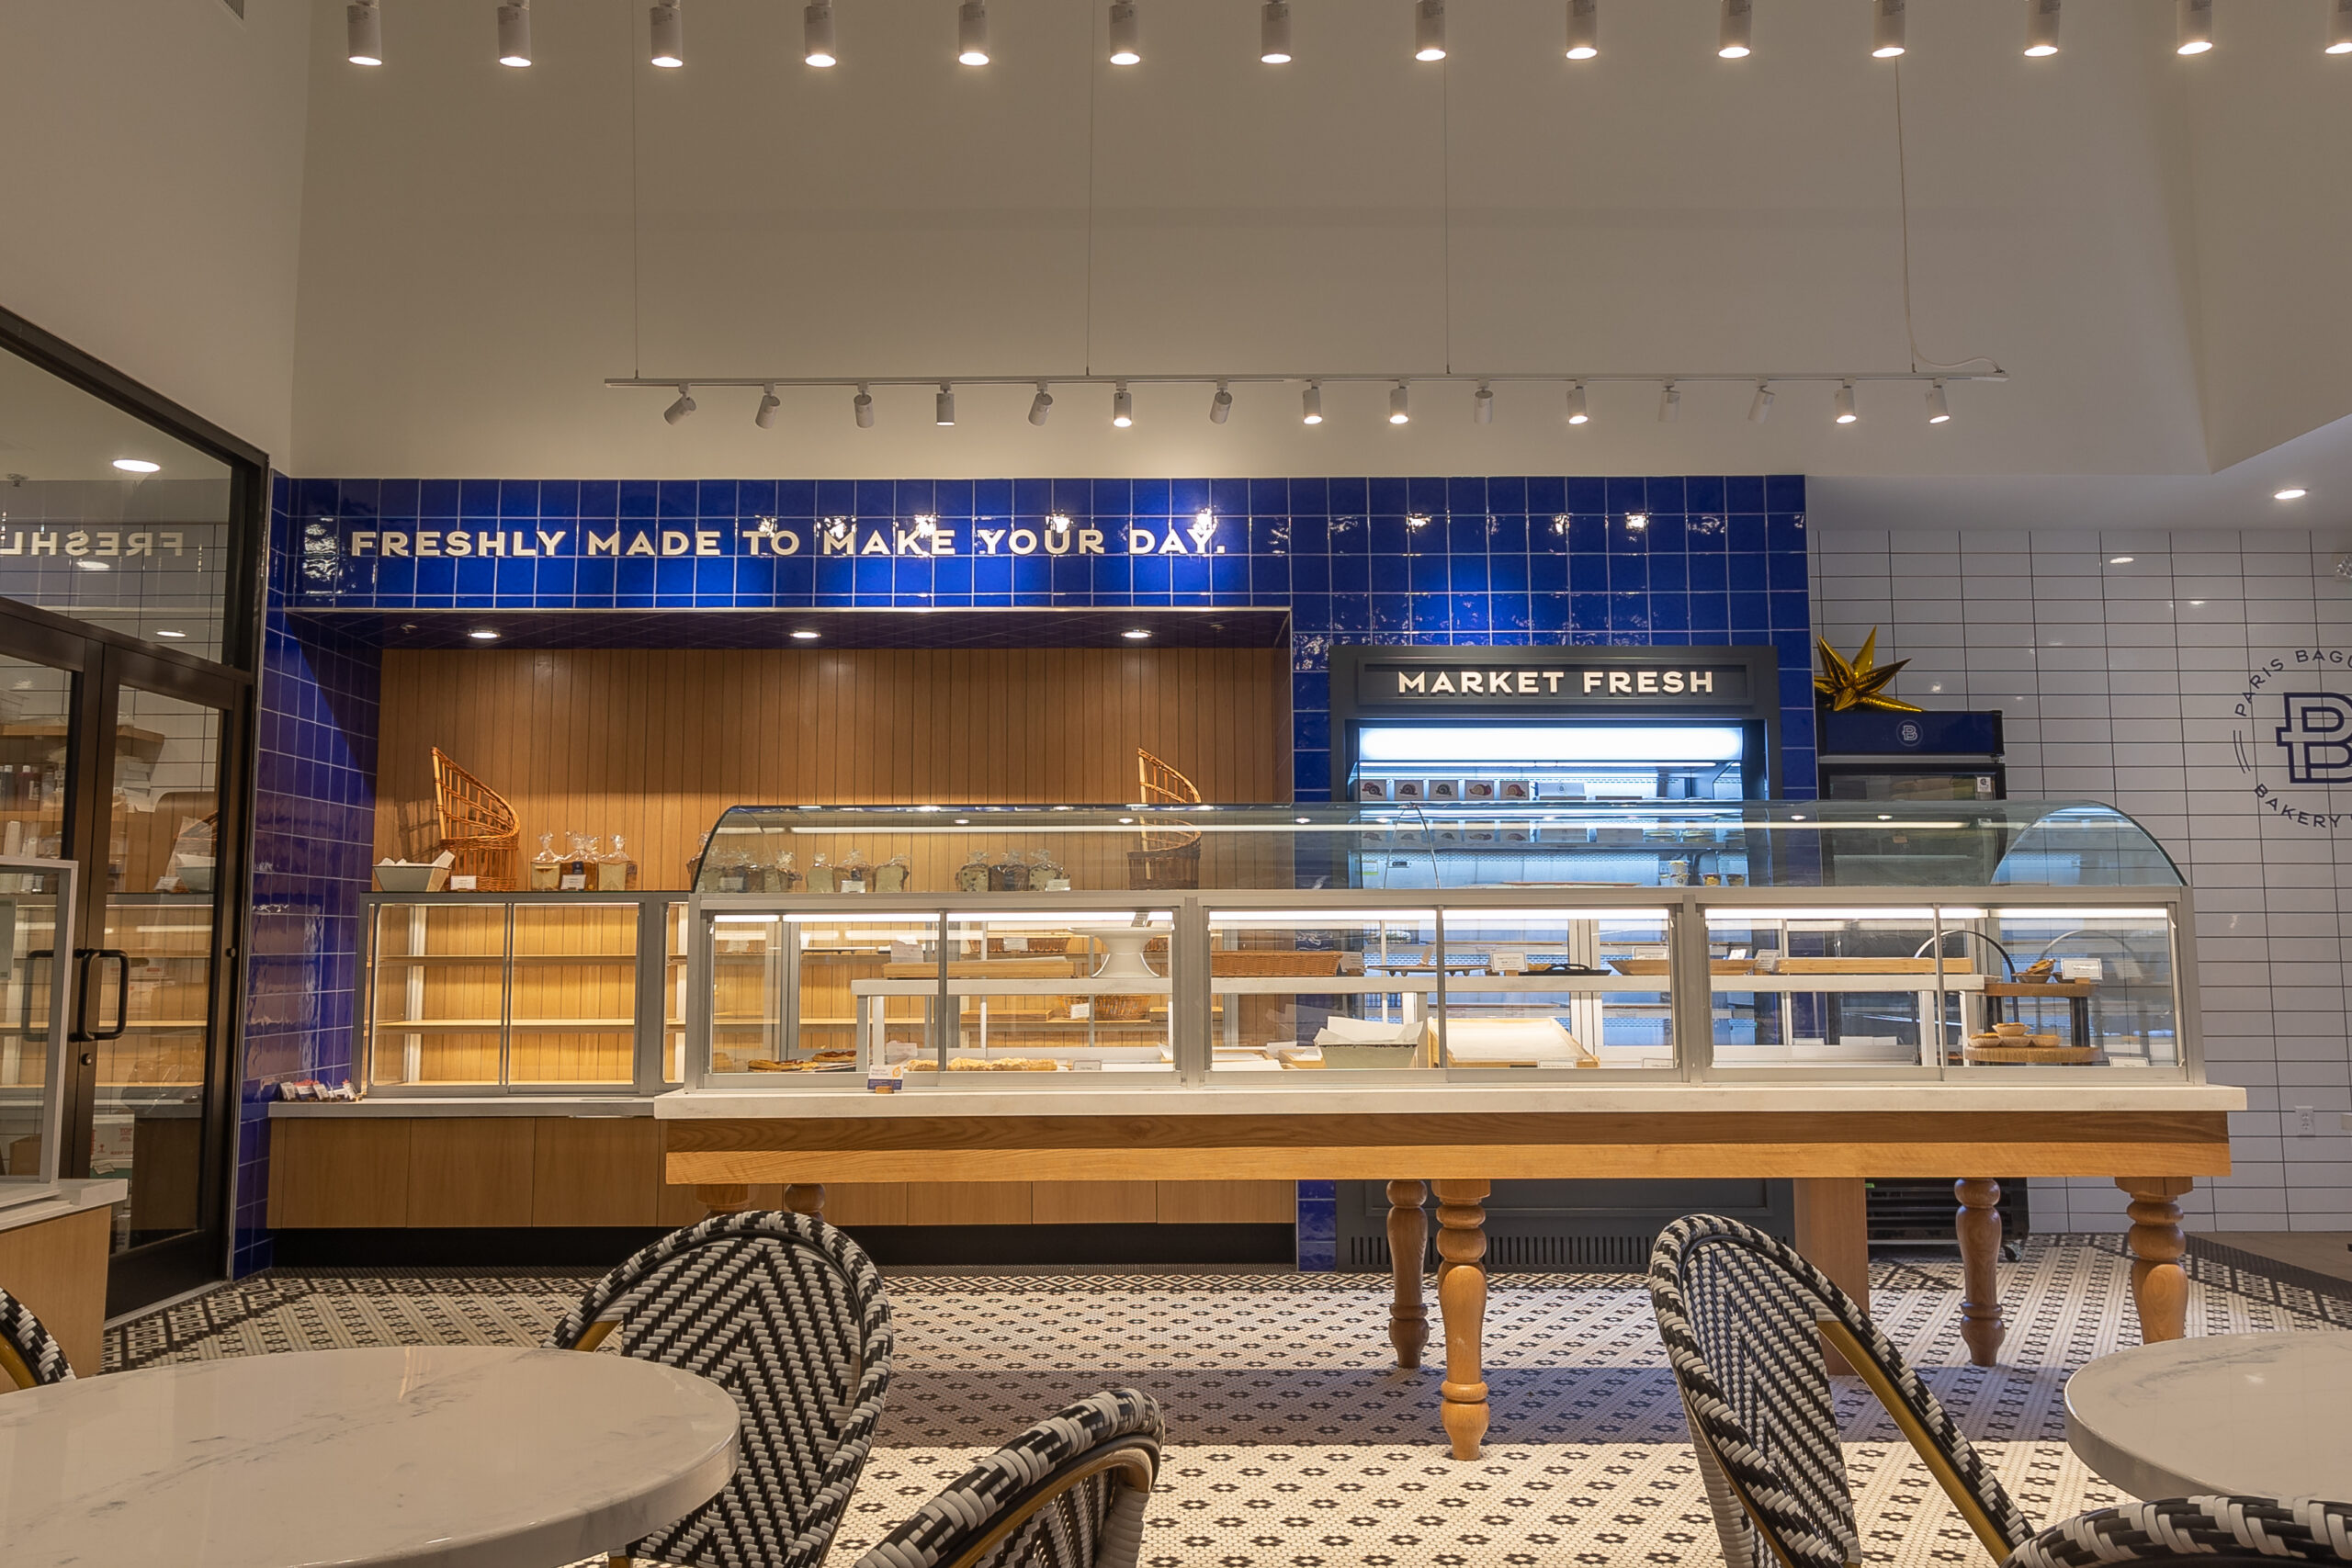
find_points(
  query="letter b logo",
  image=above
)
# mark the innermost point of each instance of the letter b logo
(2317, 738)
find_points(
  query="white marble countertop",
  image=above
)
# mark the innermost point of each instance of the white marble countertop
(1257, 1098)
(72, 1198)
(468, 1105)
(2259, 1415)
(447, 1456)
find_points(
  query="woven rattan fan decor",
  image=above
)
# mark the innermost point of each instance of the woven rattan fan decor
(1170, 856)
(478, 827)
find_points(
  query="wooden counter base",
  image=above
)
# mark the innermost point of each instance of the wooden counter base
(1462, 1153)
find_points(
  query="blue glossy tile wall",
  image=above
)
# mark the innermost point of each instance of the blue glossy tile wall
(313, 833)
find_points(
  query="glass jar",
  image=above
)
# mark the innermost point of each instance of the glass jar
(547, 867)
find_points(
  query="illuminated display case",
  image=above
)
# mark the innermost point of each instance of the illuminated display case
(1553, 942)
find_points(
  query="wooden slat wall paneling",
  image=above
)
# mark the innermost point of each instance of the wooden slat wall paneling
(970, 1204)
(1095, 1203)
(595, 1170)
(468, 1171)
(338, 1173)
(1227, 1202)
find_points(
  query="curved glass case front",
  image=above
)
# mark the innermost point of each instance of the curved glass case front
(1798, 844)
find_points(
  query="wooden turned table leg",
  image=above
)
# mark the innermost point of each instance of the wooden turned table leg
(1977, 1224)
(2159, 1284)
(732, 1198)
(806, 1199)
(1462, 1298)
(1408, 1236)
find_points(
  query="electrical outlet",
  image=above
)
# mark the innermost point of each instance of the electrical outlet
(2306, 1122)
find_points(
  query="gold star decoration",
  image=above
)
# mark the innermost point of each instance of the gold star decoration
(1858, 682)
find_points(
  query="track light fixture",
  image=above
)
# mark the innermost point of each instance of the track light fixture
(669, 35)
(1127, 34)
(2041, 28)
(1584, 28)
(1274, 32)
(1669, 403)
(1759, 407)
(862, 406)
(1577, 415)
(2340, 27)
(769, 404)
(514, 34)
(1399, 409)
(1886, 28)
(972, 33)
(1481, 405)
(362, 33)
(1843, 403)
(1122, 407)
(1221, 405)
(1310, 404)
(2195, 26)
(1429, 30)
(1041, 407)
(1735, 34)
(817, 34)
(683, 407)
(943, 405)
(1938, 406)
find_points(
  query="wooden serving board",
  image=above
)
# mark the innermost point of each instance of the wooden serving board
(987, 969)
(2040, 988)
(1871, 966)
(1277, 961)
(1990, 1054)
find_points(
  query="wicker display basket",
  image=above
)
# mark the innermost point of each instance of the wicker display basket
(478, 827)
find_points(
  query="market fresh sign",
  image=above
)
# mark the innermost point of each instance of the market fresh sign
(770, 536)
(1505, 680)
(1547, 683)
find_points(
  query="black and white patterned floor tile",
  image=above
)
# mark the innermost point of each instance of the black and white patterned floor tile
(1296, 1443)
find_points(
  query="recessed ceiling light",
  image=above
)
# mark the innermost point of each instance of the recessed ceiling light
(1136, 634)
(1302, 821)
(171, 634)
(2292, 493)
(482, 634)
(138, 466)
(2196, 604)
(95, 565)
(1637, 521)
(1127, 818)
(963, 821)
(2122, 561)
(806, 635)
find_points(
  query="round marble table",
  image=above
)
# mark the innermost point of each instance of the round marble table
(453, 1456)
(2264, 1414)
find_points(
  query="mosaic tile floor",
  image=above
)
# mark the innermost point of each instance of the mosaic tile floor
(1295, 1444)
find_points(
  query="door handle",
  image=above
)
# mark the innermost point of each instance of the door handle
(25, 1021)
(82, 994)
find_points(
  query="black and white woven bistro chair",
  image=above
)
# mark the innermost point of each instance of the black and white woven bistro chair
(1067, 1493)
(786, 1314)
(29, 1355)
(2208, 1532)
(1744, 1318)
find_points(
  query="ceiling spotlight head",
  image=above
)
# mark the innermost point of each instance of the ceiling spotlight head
(137, 466)
(1127, 34)
(1938, 406)
(2195, 26)
(2042, 28)
(2292, 493)
(2340, 27)
(1274, 32)
(1221, 405)
(669, 35)
(943, 405)
(862, 406)
(1735, 33)
(1759, 407)
(1123, 406)
(1041, 407)
(972, 33)
(1886, 28)
(683, 407)
(1584, 28)
(362, 33)
(817, 34)
(1576, 413)
(1481, 405)
(769, 404)
(1399, 410)
(1310, 404)
(1429, 30)
(514, 34)
(1669, 403)
(1843, 403)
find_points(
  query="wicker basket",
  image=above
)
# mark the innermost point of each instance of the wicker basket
(1170, 856)
(1179, 867)
(478, 827)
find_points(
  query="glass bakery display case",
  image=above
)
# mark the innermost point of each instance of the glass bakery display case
(475, 993)
(1552, 943)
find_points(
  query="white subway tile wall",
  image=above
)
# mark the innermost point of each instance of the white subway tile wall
(2119, 680)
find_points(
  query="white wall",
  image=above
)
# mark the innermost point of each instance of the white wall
(2118, 682)
(151, 197)
(482, 247)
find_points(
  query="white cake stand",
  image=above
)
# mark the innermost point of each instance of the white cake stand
(1123, 948)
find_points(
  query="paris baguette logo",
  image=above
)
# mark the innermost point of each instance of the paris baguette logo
(2294, 740)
